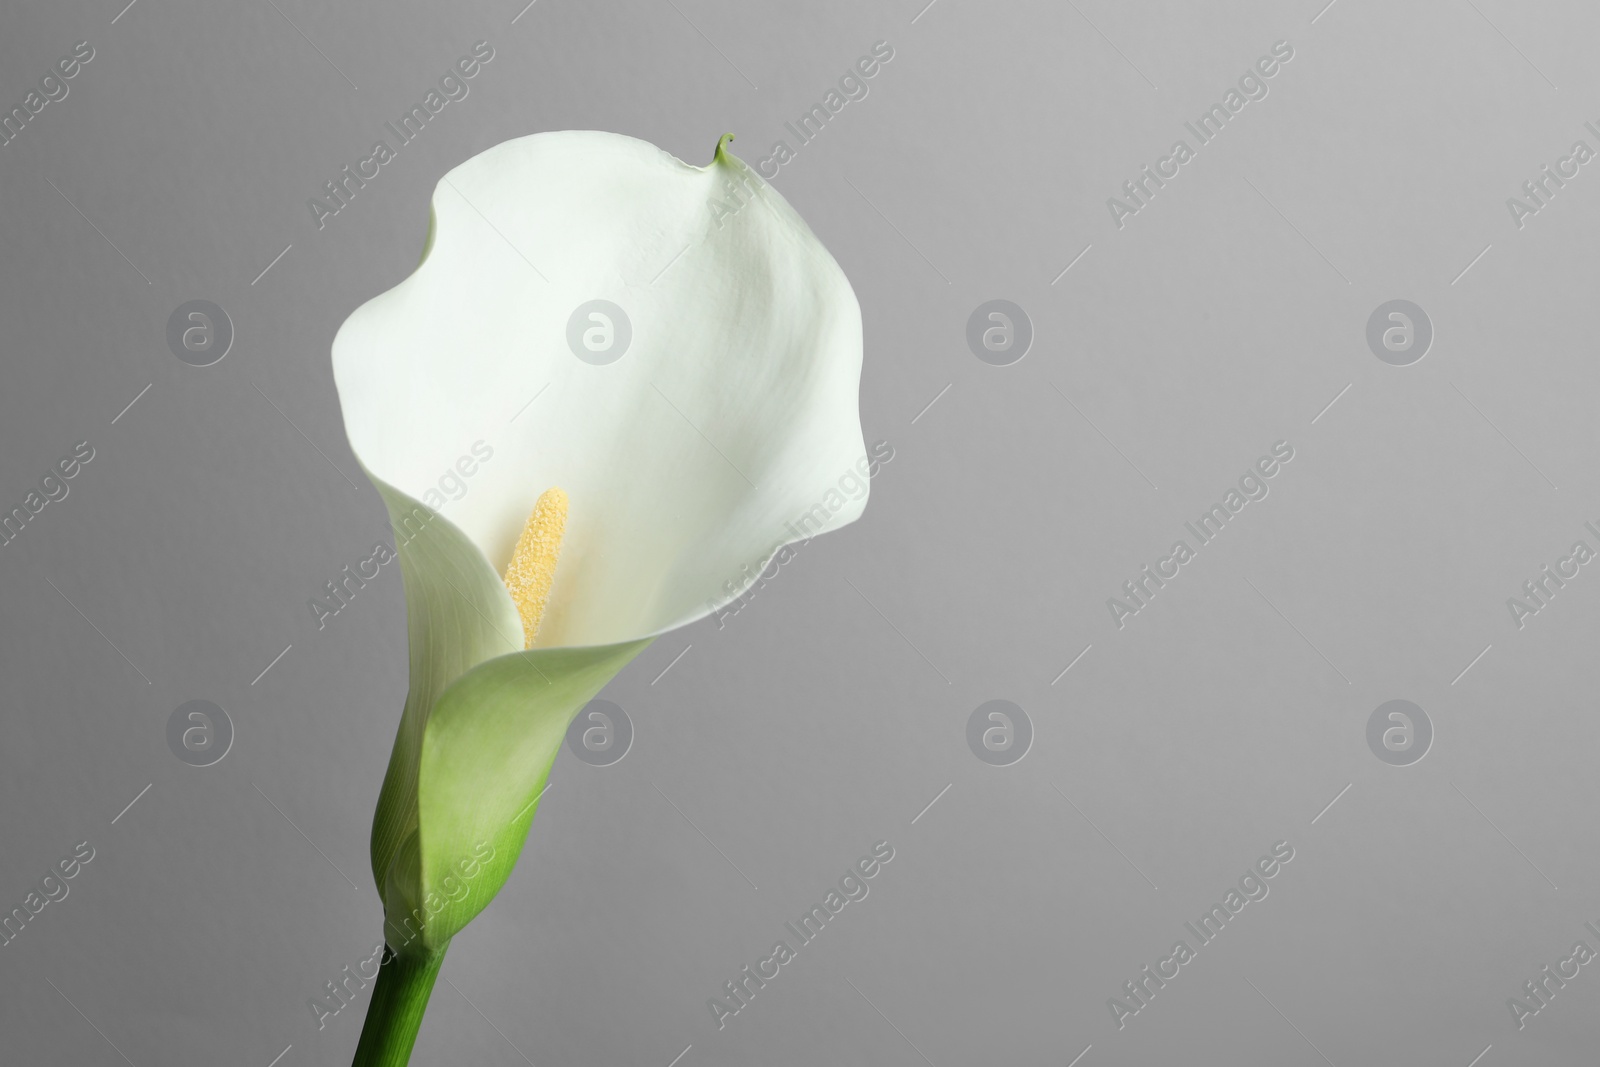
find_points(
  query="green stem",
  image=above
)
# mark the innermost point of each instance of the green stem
(398, 1000)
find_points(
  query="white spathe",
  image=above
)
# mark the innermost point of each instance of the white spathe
(727, 428)
(731, 416)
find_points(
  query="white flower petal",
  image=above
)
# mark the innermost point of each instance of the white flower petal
(729, 420)
(458, 615)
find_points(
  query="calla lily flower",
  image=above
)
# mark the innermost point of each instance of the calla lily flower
(665, 362)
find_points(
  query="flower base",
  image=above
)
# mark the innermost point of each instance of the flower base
(405, 982)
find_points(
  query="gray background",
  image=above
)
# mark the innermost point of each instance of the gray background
(822, 718)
